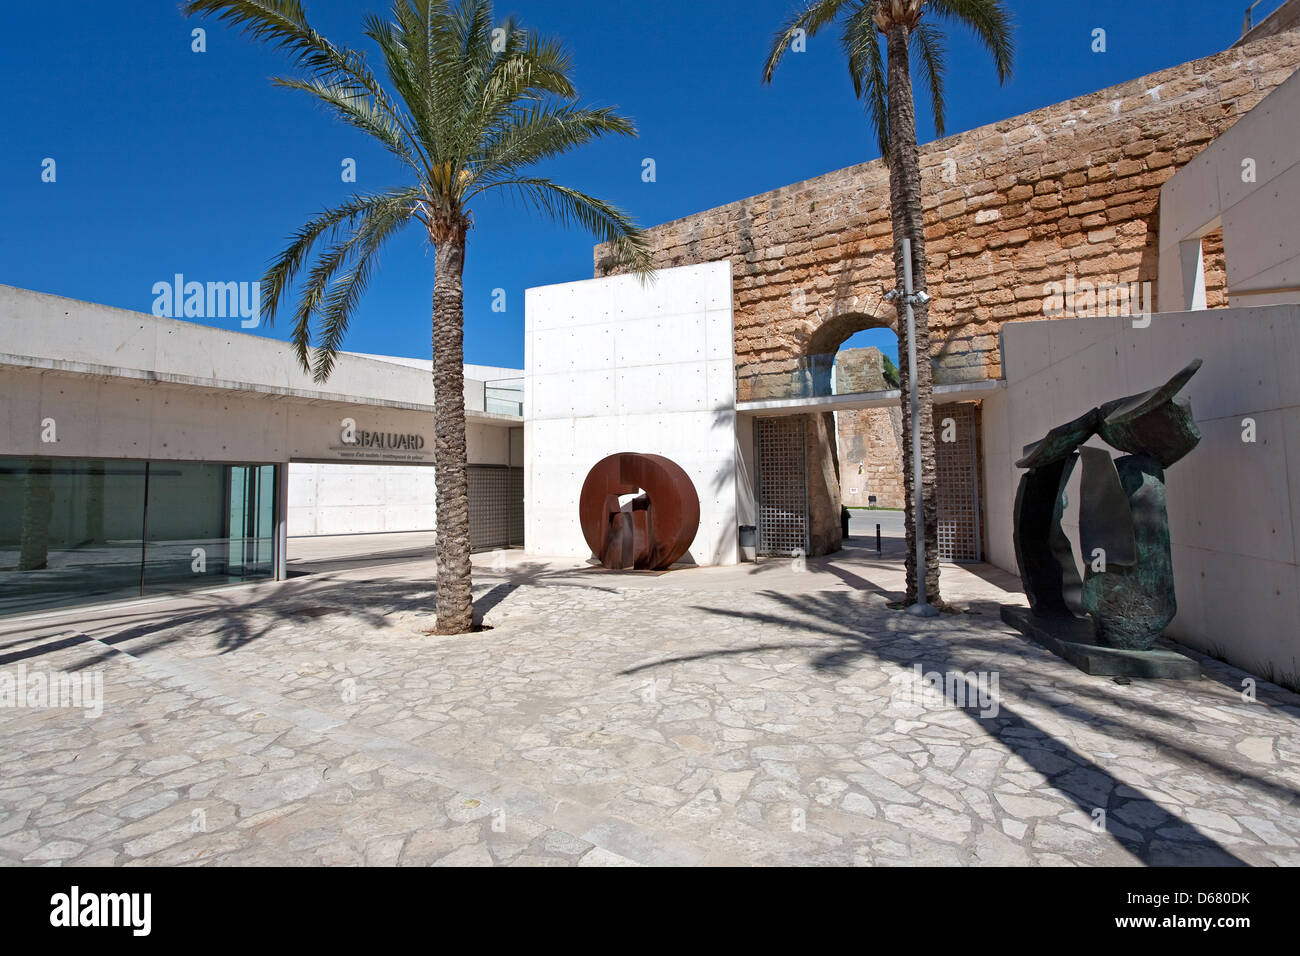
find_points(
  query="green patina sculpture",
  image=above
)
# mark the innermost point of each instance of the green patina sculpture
(1126, 598)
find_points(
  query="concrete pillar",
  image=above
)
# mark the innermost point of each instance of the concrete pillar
(280, 517)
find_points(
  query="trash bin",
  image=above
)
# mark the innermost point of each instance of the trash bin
(748, 542)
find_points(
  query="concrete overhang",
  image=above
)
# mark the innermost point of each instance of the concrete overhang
(885, 399)
(51, 332)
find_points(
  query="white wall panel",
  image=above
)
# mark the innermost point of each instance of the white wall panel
(1234, 506)
(614, 365)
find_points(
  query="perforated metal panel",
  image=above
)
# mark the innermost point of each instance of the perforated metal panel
(957, 474)
(780, 460)
(496, 507)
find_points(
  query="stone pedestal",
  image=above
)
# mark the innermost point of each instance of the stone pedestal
(1074, 639)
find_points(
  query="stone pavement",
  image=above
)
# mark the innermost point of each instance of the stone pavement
(753, 715)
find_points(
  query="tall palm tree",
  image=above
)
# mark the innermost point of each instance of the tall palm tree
(886, 86)
(470, 105)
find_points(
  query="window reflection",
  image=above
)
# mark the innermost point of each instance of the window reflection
(74, 530)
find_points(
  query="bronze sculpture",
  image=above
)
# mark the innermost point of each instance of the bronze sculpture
(1111, 617)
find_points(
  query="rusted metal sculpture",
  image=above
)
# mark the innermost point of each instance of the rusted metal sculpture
(651, 531)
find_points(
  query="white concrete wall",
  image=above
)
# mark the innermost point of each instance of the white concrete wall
(122, 418)
(612, 366)
(360, 499)
(1259, 217)
(1234, 507)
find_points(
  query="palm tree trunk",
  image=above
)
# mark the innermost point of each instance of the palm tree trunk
(452, 545)
(905, 210)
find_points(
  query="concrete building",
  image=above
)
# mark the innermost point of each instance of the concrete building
(141, 455)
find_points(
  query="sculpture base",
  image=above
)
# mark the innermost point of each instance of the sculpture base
(646, 572)
(1075, 641)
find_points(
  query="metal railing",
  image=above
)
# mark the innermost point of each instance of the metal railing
(809, 376)
(504, 396)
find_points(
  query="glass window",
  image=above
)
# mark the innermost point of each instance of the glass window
(207, 525)
(73, 531)
(70, 531)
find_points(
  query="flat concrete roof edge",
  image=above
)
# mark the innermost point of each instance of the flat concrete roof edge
(223, 385)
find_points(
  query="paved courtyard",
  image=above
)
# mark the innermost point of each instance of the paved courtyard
(753, 715)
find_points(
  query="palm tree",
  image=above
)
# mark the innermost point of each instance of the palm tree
(470, 105)
(886, 86)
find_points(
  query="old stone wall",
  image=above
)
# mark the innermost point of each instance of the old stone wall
(1067, 190)
(870, 439)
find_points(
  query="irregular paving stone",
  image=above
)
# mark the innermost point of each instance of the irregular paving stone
(616, 721)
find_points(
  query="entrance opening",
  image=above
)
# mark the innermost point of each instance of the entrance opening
(869, 441)
(344, 514)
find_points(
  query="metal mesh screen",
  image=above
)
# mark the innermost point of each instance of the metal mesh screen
(779, 451)
(957, 473)
(496, 507)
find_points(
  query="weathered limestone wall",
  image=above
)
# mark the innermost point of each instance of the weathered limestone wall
(870, 439)
(1070, 189)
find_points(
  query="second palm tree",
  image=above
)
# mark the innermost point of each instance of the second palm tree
(886, 86)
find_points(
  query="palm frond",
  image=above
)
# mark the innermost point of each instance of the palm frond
(928, 41)
(542, 132)
(283, 25)
(607, 222)
(815, 15)
(990, 21)
(351, 229)
(358, 110)
(282, 270)
(343, 297)
(529, 69)
(405, 75)
(861, 42)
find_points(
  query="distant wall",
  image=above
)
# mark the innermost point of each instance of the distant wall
(1234, 507)
(870, 439)
(1285, 17)
(355, 499)
(613, 365)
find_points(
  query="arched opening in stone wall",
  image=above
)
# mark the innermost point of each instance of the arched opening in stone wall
(850, 332)
(855, 457)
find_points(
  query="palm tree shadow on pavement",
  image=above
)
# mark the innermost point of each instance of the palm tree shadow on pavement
(1148, 832)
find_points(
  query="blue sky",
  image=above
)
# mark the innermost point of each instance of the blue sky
(171, 161)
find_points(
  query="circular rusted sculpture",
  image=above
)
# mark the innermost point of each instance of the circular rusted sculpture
(654, 529)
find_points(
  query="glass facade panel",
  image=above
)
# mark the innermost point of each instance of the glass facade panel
(70, 531)
(207, 525)
(73, 531)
